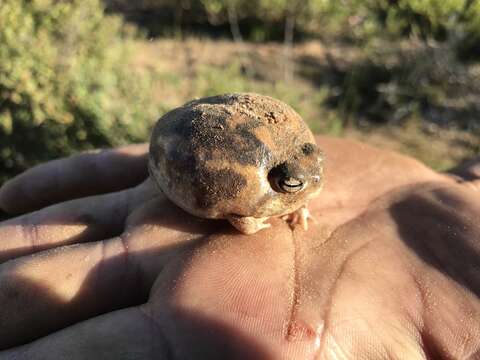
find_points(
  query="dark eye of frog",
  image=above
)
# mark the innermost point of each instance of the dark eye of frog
(290, 185)
(284, 178)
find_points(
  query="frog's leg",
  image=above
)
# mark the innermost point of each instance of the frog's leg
(248, 224)
(299, 217)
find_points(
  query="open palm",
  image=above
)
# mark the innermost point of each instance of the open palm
(390, 267)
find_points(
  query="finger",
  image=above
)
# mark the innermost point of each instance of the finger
(76, 221)
(185, 320)
(133, 334)
(47, 291)
(124, 334)
(74, 177)
(468, 173)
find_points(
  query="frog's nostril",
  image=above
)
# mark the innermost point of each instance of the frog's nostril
(316, 178)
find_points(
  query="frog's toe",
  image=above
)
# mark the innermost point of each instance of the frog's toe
(299, 217)
(248, 224)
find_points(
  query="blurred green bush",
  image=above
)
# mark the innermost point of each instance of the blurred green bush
(263, 20)
(389, 83)
(66, 83)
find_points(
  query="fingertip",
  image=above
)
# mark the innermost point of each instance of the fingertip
(468, 171)
(4, 197)
(84, 174)
(8, 199)
(16, 193)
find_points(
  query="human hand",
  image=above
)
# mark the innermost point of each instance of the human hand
(389, 269)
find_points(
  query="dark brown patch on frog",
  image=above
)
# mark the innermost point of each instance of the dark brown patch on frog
(238, 145)
(217, 185)
(214, 134)
(178, 122)
(157, 153)
(308, 149)
(209, 186)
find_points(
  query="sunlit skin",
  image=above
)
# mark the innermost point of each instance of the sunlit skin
(390, 269)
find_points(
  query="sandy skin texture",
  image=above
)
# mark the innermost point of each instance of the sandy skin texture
(241, 157)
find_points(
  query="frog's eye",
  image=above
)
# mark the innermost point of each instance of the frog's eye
(282, 179)
(290, 185)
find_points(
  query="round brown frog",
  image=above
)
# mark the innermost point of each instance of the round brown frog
(240, 157)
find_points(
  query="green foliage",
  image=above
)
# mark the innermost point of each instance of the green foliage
(358, 19)
(425, 18)
(391, 83)
(361, 21)
(65, 82)
(213, 81)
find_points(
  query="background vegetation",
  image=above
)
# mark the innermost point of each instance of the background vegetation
(65, 82)
(76, 74)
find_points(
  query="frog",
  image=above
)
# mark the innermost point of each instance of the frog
(242, 157)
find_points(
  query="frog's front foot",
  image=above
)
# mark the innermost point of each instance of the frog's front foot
(299, 217)
(248, 224)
